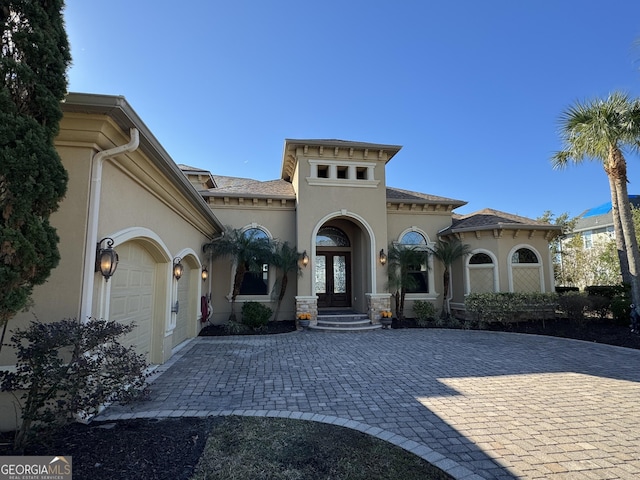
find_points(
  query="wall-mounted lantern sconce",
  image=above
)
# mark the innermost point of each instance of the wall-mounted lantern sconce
(177, 268)
(305, 259)
(383, 257)
(106, 258)
(204, 274)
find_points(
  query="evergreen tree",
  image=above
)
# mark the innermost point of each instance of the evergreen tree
(35, 57)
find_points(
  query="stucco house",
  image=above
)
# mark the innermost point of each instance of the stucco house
(331, 200)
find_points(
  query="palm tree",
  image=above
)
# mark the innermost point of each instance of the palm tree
(448, 252)
(286, 259)
(248, 252)
(599, 130)
(402, 264)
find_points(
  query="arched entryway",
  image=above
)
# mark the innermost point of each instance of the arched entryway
(333, 268)
(343, 263)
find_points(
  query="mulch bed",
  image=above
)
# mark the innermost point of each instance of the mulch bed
(591, 330)
(284, 326)
(144, 449)
(169, 449)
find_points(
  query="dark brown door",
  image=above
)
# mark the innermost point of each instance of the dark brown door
(333, 279)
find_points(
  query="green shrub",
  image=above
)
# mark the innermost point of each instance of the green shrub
(255, 315)
(574, 305)
(600, 305)
(424, 312)
(506, 307)
(620, 308)
(567, 289)
(234, 328)
(68, 368)
(609, 291)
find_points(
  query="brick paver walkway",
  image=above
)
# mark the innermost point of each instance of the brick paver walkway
(476, 404)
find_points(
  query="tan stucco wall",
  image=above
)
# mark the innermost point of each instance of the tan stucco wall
(137, 199)
(362, 204)
(59, 296)
(502, 245)
(279, 221)
(430, 223)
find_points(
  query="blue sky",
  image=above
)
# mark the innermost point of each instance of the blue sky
(471, 89)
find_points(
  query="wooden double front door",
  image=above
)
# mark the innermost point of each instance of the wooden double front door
(333, 279)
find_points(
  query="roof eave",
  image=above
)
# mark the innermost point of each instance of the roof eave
(117, 108)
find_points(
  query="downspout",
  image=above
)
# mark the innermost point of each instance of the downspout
(94, 210)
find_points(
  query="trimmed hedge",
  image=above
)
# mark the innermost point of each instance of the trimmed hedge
(505, 307)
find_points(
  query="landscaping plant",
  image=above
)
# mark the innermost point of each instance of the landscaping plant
(247, 252)
(33, 64)
(255, 315)
(424, 312)
(68, 368)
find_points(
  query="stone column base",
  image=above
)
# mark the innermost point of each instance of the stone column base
(307, 304)
(378, 302)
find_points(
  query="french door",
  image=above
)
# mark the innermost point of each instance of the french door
(333, 279)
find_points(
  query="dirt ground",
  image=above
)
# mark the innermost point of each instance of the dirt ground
(169, 449)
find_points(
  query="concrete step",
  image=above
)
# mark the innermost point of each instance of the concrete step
(344, 322)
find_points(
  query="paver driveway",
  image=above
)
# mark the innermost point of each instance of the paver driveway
(477, 404)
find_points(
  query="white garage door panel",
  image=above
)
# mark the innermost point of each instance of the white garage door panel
(132, 295)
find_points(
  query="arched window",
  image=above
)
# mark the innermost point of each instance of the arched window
(482, 273)
(256, 283)
(413, 238)
(420, 272)
(524, 255)
(332, 237)
(480, 259)
(525, 270)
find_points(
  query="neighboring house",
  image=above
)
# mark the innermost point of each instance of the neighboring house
(595, 225)
(331, 201)
(585, 254)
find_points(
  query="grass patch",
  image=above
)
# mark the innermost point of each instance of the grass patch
(242, 448)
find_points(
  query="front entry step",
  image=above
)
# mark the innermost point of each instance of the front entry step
(344, 322)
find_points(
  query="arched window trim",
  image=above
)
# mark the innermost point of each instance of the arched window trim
(341, 233)
(270, 274)
(432, 294)
(414, 229)
(511, 265)
(469, 266)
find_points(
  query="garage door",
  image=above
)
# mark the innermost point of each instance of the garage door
(132, 295)
(184, 312)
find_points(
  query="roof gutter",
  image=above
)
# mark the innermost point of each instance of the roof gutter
(94, 212)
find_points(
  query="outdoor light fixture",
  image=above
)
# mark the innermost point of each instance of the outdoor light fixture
(106, 258)
(383, 257)
(305, 259)
(204, 274)
(177, 268)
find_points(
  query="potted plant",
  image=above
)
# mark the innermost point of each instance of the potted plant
(386, 317)
(304, 319)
